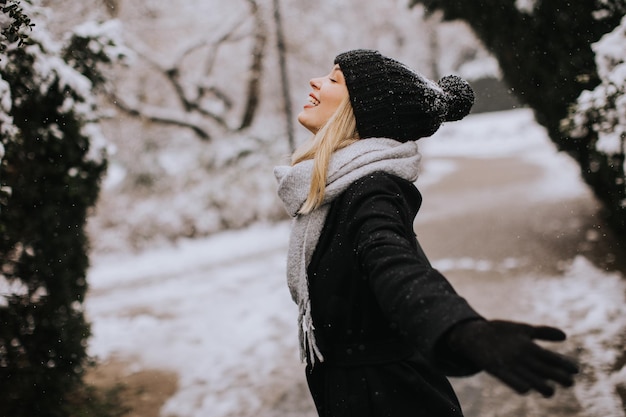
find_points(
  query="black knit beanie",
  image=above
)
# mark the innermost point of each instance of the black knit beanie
(392, 101)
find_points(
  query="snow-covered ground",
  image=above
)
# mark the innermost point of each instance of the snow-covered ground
(217, 312)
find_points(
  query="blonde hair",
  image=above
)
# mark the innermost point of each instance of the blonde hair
(338, 132)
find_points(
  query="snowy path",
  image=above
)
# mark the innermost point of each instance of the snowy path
(216, 311)
(509, 236)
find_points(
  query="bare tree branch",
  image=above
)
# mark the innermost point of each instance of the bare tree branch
(216, 44)
(161, 115)
(206, 100)
(194, 104)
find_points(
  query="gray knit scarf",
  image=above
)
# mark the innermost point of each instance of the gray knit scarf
(346, 166)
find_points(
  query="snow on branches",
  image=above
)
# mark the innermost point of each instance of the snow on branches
(70, 67)
(603, 109)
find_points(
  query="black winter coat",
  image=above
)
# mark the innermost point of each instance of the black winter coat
(379, 309)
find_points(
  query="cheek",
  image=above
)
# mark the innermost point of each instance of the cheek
(336, 98)
(323, 112)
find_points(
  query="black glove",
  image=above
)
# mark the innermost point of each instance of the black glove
(506, 350)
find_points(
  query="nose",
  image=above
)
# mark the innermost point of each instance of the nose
(315, 83)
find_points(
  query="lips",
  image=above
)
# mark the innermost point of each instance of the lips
(313, 101)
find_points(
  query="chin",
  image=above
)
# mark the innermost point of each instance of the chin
(302, 120)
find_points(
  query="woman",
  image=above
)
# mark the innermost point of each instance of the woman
(379, 327)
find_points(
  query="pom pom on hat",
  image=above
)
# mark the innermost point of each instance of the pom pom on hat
(393, 101)
(459, 97)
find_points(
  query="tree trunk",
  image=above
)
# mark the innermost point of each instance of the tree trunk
(256, 66)
(282, 62)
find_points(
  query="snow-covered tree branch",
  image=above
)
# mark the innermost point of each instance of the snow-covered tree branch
(603, 109)
(201, 104)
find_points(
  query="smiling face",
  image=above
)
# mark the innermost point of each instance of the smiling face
(327, 94)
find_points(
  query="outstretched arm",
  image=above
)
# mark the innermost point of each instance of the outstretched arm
(507, 351)
(426, 309)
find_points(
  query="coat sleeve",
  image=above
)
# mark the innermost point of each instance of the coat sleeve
(415, 297)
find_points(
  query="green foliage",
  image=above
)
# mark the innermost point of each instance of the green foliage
(546, 58)
(49, 179)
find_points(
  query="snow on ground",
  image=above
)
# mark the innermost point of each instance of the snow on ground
(499, 135)
(217, 311)
(593, 312)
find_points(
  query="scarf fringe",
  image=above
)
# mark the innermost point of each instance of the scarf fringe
(308, 344)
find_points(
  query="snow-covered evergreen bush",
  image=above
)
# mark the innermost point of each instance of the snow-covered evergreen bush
(51, 163)
(603, 109)
(598, 117)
